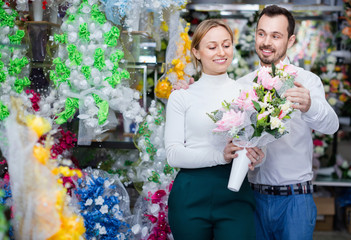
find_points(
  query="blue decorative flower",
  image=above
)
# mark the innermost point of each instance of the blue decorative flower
(101, 201)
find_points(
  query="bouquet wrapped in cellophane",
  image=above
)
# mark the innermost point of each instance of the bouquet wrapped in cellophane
(257, 117)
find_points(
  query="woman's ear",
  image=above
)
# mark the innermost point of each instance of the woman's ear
(196, 53)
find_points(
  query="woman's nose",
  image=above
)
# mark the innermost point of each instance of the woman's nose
(220, 51)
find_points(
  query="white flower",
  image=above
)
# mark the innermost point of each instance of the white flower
(104, 209)
(349, 173)
(281, 130)
(345, 164)
(121, 236)
(88, 202)
(332, 101)
(99, 201)
(326, 88)
(263, 104)
(102, 230)
(286, 107)
(319, 150)
(233, 131)
(275, 122)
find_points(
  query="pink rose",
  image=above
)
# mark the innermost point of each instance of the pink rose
(244, 101)
(229, 120)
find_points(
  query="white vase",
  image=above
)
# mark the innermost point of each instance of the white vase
(37, 10)
(239, 170)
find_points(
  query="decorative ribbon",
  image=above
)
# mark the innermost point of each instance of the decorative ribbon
(112, 36)
(99, 58)
(125, 74)
(114, 79)
(62, 72)
(83, 32)
(4, 111)
(168, 169)
(17, 38)
(71, 106)
(2, 76)
(86, 70)
(74, 55)
(116, 57)
(7, 19)
(61, 38)
(20, 84)
(97, 15)
(16, 65)
(103, 109)
(154, 178)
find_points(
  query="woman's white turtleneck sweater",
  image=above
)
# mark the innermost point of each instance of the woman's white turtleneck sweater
(188, 133)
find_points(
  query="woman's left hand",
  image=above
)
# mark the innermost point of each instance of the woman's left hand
(255, 155)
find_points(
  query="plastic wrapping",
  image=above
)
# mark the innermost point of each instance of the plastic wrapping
(37, 198)
(104, 203)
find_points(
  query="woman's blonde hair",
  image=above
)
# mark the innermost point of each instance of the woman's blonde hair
(201, 31)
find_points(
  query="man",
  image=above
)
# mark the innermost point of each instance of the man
(282, 183)
(285, 209)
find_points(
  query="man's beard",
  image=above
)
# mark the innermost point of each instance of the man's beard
(267, 60)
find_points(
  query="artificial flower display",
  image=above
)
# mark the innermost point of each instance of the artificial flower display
(152, 177)
(178, 63)
(88, 74)
(14, 69)
(40, 203)
(4, 222)
(347, 29)
(130, 10)
(258, 116)
(151, 212)
(104, 204)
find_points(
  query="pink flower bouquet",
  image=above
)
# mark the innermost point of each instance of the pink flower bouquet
(257, 117)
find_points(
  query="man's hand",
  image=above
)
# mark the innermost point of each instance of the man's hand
(182, 84)
(300, 96)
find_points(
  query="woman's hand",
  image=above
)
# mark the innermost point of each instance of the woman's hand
(255, 155)
(230, 151)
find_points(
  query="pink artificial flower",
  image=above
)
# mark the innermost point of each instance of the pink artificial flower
(244, 101)
(157, 196)
(152, 218)
(229, 120)
(170, 186)
(291, 70)
(262, 115)
(263, 75)
(282, 114)
(278, 83)
(280, 65)
(269, 82)
(317, 142)
(7, 177)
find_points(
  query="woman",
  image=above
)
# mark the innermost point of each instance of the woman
(200, 205)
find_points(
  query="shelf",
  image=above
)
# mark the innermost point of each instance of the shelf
(331, 182)
(112, 139)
